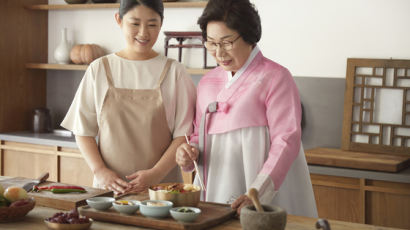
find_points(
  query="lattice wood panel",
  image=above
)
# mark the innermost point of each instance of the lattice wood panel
(377, 106)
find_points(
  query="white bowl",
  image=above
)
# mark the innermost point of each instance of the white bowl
(155, 208)
(190, 216)
(100, 203)
(129, 208)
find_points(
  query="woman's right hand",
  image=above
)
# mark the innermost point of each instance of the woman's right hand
(185, 156)
(108, 179)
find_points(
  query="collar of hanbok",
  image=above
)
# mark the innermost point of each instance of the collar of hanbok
(232, 79)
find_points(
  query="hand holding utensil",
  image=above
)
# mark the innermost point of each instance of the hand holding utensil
(253, 194)
(196, 168)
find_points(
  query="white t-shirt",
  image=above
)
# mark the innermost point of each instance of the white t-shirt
(178, 92)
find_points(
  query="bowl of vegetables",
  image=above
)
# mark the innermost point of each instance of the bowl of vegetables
(179, 194)
(185, 214)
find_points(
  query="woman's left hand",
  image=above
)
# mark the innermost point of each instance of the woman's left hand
(142, 179)
(241, 202)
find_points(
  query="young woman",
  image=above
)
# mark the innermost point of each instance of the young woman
(248, 118)
(139, 103)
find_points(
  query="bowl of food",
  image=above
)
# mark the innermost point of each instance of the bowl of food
(128, 207)
(14, 203)
(100, 203)
(155, 208)
(68, 221)
(179, 194)
(185, 214)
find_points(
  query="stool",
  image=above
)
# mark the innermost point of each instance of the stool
(181, 36)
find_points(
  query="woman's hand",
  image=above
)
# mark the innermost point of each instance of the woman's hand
(185, 156)
(142, 179)
(241, 202)
(108, 179)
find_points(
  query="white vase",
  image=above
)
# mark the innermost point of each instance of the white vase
(62, 52)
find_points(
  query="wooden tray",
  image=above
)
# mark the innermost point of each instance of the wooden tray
(211, 215)
(65, 201)
(357, 160)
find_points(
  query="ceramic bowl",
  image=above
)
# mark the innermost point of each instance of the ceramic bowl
(185, 214)
(128, 207)
(57, 226)
(100, 203)
(155, 208)
(190, 199)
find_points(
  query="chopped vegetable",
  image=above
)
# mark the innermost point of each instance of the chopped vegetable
(185, 210)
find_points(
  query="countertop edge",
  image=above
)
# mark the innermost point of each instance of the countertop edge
(51, 139)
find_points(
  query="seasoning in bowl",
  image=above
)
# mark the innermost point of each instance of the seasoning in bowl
(185, 214)
(126, 206)
(70, 220)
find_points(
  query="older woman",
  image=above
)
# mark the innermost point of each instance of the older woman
(248, 117)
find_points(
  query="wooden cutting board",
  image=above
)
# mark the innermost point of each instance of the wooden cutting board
(357, 160)
(211, 215)
(65, 201)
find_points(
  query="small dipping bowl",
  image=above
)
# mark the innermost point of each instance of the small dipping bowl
(128, 207)
(155, 208)
(273, 217)
(100, 203)
(185, 214)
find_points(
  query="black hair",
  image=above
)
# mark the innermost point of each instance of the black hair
(238, 15)
(156, 5)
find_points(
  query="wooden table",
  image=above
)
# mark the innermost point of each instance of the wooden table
(34, 221)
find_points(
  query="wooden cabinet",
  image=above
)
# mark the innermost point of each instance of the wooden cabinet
(23, 39)
(362, 200)
(65, 165)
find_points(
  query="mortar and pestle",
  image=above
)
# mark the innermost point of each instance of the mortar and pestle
(262, 217)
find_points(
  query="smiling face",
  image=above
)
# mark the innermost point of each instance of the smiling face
(141, 26)
(231, 60)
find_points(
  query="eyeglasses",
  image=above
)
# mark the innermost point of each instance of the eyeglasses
(226, 45)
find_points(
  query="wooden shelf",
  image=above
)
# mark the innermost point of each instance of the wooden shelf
(200, 4)
(52, 66)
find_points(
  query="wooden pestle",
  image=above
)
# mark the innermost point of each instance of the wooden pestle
(253, 194)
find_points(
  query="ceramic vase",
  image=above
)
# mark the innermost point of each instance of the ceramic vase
(62, 52)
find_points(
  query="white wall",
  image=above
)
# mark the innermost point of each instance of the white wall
(310, 37)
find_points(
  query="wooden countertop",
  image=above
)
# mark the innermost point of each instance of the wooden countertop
(34, 221)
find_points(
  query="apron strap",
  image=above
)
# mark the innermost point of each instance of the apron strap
(108, 71)
(164, 72)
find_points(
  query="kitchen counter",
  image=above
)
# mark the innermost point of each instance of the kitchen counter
(69, 141)
(35, 221)
(40, 138)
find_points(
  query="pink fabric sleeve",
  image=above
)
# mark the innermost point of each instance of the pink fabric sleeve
(283, 112)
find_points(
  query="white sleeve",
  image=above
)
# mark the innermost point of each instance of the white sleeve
(81, 117)
(185, 104)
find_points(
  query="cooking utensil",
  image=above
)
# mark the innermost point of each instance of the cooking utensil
(196, 168)
(29, 186)
(253, 194)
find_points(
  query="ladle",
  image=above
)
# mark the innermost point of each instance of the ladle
(253, 194)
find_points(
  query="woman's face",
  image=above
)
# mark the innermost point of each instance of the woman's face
(141, 26)
(231, 60)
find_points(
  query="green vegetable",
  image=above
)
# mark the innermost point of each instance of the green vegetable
(67, 190)
(185, 210)
(174, 192)
(4, 202)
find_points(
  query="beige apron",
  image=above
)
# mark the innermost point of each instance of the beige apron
(133, 129)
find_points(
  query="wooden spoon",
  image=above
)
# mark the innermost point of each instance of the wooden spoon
(253, 194)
